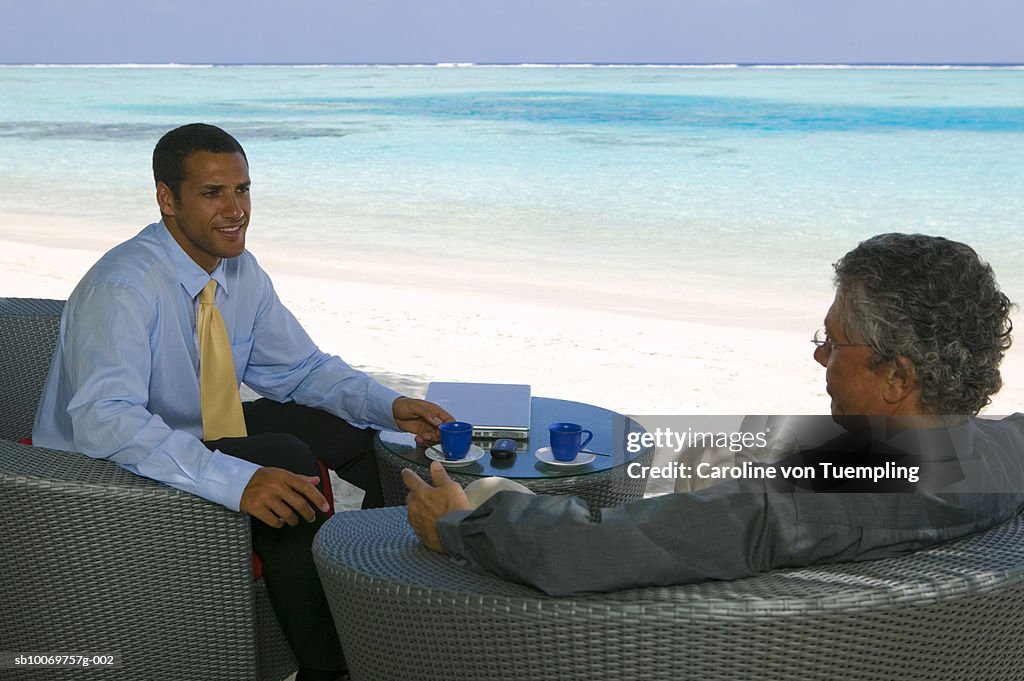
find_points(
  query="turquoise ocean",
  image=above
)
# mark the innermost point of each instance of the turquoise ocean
(696, 184)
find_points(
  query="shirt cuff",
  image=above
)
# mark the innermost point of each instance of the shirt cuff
(379, 406)
(450, 534)
(224, 479)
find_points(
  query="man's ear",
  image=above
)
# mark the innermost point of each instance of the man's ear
(899, 380)
(165, 199)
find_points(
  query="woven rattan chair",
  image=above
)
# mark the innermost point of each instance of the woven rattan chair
(94, 559)
(955, 611)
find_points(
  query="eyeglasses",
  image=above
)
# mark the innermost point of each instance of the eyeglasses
(821, 340)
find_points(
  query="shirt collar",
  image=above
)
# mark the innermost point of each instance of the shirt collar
(192, 277)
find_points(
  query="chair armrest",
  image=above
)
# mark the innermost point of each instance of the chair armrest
(96, 559)
(28, 335)
(954, 610)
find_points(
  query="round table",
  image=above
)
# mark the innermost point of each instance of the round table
(602, 483)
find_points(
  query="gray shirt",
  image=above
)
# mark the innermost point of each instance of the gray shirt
(744, 527)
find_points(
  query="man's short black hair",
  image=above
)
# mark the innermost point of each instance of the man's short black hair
(177, 145)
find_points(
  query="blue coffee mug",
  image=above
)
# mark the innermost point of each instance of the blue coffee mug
(456, 437)
(566, 440)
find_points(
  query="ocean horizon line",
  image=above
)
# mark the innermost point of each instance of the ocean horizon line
(555, 65)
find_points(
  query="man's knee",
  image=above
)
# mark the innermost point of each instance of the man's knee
(290, 453)
(274, 450)
(332, 439)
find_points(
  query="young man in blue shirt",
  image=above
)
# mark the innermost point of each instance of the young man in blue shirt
(125, 381)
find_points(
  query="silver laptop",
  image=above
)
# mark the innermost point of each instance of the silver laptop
(496, 410)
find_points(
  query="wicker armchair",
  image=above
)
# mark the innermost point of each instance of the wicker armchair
(94, 559)
(955, 611)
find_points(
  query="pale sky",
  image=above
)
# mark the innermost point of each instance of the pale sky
(511, 31)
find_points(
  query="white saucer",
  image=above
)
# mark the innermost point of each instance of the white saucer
(435, 453)
(584, 457)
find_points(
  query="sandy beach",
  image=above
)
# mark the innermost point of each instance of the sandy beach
(407, 323)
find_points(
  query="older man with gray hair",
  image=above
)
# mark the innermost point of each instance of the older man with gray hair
(923, 318)
(911, 348)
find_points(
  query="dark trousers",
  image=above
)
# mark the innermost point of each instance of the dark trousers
(293, 437)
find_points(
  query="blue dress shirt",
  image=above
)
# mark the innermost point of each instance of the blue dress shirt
(124, 382)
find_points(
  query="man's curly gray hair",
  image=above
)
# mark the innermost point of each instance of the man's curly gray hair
(934, 302)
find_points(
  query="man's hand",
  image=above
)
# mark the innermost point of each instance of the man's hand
(427, 504)
(277, 496)
(419, 417)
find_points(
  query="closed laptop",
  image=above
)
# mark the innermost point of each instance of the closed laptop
(496, 410)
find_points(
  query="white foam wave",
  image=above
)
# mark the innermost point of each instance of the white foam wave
(533, 65)
(109, 66)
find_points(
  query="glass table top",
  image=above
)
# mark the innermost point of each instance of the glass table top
(608, 444)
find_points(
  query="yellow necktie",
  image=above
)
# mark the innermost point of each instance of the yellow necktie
(218, 384)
